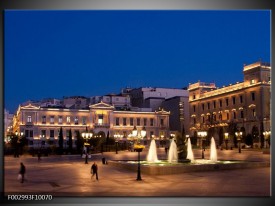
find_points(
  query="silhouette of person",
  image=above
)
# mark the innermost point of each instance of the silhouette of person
(22, 171)
(94, 170)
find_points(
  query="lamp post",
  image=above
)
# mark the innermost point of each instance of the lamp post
(137, 135)
(239, 137)
(226, 139)
(266, 136)
(202, 134)
(116, 140)
(86, 136)
(19, 136)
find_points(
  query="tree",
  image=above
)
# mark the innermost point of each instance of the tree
(70, 141)
(60, 141)
(79, 142)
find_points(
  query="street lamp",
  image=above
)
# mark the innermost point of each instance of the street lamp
(116, 140)
(142, 134)
(266, 136)
(226, 139)
(202, 134)
(86, 136)
(19, 136)
(239, 137)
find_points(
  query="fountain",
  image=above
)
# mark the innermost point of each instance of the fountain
(190, 154)
(173, 152)
(213, 151)
(152, 154)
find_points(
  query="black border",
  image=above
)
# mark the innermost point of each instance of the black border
(131, 5)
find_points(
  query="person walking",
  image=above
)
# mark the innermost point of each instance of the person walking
(94, 170)
(22, 171)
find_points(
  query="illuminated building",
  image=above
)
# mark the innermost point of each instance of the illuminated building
(41, 125)
(243, 106)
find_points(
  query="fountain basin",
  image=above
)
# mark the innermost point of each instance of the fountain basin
(165, 168)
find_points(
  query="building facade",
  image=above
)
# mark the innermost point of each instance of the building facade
(41, 125)
(244, 106)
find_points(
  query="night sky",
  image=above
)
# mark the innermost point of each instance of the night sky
(67, 53)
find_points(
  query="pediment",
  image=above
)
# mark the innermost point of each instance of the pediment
(101, 105)
(29, 106)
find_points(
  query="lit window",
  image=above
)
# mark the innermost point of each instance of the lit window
(100, 119)
(51, 119)
(252, 81)
(43, 119)
(60, 120)
(84, 120)
(76, 120)
(29, 119)
(68, 119)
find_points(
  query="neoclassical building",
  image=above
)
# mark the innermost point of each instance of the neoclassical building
(244, 106)
(40, 124)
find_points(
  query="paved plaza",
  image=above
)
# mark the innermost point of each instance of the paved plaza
(67, 175)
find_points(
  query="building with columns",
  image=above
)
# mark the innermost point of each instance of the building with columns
(41, 125)
(243, 106)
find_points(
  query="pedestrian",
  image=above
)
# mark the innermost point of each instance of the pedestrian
(94, 169)
(22, 171)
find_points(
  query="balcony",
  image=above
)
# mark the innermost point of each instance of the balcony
(101, 125)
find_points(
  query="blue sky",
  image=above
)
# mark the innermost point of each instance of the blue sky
(66, 53)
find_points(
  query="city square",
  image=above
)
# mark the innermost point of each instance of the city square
(137, 104)
(70, 176)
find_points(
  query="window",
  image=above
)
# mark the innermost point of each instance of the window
(241, 99)
(161, 122)
(202, 106)
(31, 133)
(220, 116)
(145, 122)
(234, 115)
(43, 119)
(27, 133)
(51, 133)
(227, 116)
(194, 96)
(208, 105)
(117, 121)
(29, 119)
(151, 122)
(234, 100)
(131, 121)
(124, 121)
(76, 120)
(214, 104)
(68, 119)
(194, 120)
(60, 120)
(241, 114)
(51, 119)
(253, 96)
(220, 103)
(138, 121)
(254, 112)
(252, 81)
(194, 108)
(43, 133)
(214, 117)
(226, 102)
(84, 120)
(100, 119)
(202, 119)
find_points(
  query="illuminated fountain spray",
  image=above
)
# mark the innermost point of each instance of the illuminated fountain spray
(190, 154)
(152, 154)
(213, 151)
(173, 152)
